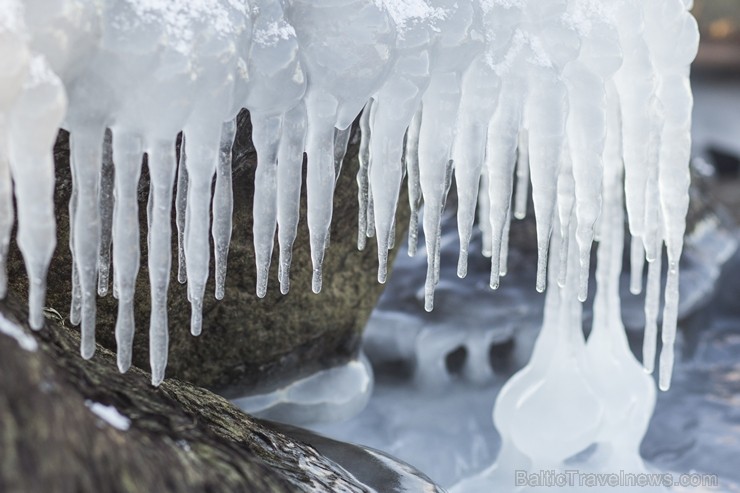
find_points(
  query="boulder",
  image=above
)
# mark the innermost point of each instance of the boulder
(248, 344)
(71, 425)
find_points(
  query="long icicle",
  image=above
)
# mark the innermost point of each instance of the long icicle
(202, 148)
(500, 162)
(181, 201)
(411, 158)
(7, 214)
(522, 176)
(363, 183)
(223, 206)
(652, 305)
(266, 130)
(162, 170)
(105, 205)
(86, 145)
(31, 135)
(321, 110)
(289, 179)
(127, 154)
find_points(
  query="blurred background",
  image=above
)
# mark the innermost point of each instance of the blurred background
(719, 23)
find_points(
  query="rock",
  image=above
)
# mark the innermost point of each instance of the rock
(71, 425)
(248, 344)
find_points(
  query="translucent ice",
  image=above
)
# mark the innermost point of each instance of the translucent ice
(487, 92)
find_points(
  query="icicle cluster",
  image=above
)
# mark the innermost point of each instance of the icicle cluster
(595, 391)
(450, 88)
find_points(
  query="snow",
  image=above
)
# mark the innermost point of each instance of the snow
(110, 415)
(11, 329)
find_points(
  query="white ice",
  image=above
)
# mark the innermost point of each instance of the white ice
(569, 89)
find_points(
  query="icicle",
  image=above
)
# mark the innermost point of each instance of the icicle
(391, 114)
(392, 234)
(652, 304)
(500, 162)
(673, 51)
(86, 145)
(181, 201)
(504, 258)
(370, 229)
(266, 130)
(290, 165)
(651, 223)
(223, 206)
(435, 142)
(545, 114)
(599, 58)
(162, 170)
(546, 107)
(522, 176)
(275, 99)
(636, 86)
(321, 113)
(411, 159)
(32, 128)
(341, 141)
(566, 199)
(479, 97)
(637, 264)
(127, 154)
(531, 75)
(363, 185)
(557, 366)
(668, 329)
(75, 306)
(629, 398)
(7, 214)
(105, 205)
(203, 148)
(393, 111)
(484, 214)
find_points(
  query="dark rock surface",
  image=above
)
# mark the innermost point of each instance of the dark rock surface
(248, 344)
(179, 438)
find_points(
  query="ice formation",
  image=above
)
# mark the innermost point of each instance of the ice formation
(446, 89)
(589, 409)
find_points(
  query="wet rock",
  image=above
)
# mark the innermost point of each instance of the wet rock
(77, 426)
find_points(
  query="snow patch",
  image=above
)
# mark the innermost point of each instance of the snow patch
(110, 415)
(11, 329)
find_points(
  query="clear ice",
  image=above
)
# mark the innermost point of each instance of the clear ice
(583, 100)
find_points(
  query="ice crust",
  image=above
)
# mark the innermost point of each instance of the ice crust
(446, 89)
